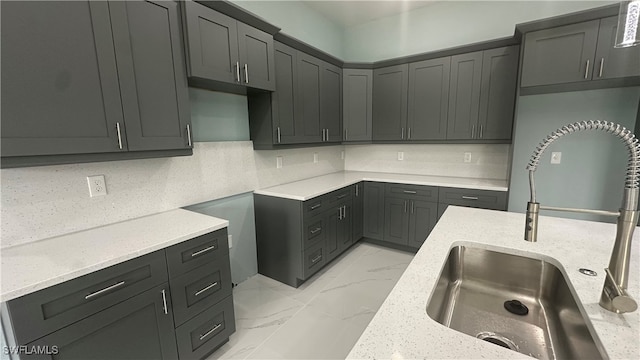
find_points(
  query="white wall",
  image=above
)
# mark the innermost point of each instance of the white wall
(487, 161)
(448, 24)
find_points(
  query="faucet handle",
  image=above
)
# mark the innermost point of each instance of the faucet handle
(531, 222)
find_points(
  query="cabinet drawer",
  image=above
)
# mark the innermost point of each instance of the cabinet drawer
(314, 231)
(416, 192)
(486, 199)
(200, 288)
(315, 206)
(313, 259)
(201, 335)
(196, 252)
(53, 308)
(341, 195)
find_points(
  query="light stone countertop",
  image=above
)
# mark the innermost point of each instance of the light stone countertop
(309, 188)
(34, 266)
(401, 329)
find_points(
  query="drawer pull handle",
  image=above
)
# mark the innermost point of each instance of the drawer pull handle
(410, 192)
(469, 197)
(210, 331)
(206, 288)
(212, 247)
(341, 196)
(109, 288)
(315, 206)
(315, 230)
(313, 261)
(164, 302)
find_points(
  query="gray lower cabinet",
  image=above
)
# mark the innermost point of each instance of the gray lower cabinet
(295, 239)
(358, 212)
(484, 199)
(423, 218)
(137, 309)
(222, 50)
(390, 92)
(357, 104)
(396, 220)
(428, 99)
(464, 96)
(410, 213)
(373, 210)
(89, 77)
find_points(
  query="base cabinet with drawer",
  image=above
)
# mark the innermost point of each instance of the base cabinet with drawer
(172, 303)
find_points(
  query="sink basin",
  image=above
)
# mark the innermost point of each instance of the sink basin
(470, 297)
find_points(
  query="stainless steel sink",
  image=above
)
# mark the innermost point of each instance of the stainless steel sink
(470, 297)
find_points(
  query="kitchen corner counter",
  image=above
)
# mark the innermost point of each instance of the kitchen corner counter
(34, 266)
(309, 188)
(401, 329)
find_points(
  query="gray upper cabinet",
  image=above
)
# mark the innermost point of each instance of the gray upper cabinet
(610, 62)
(152, 74)
(464, 96)
(221, 49)
(498, 93)
(286, 125)
(308, 102)
(92, 77)
(60, 91)
(331, 100)
(559, 55)
(357, 88)
(390, 102)
(428, 99)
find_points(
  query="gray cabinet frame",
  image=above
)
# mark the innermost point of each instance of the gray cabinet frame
(357, 104)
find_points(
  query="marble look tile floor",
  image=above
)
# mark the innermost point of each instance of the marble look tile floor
(323, 318)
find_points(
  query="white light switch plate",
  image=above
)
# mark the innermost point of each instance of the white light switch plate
(97, 185)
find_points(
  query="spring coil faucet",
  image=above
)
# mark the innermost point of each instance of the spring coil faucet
(614, 293)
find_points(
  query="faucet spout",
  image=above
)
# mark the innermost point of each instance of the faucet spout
(614, 295)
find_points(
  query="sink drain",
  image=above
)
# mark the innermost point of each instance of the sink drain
(497, 339)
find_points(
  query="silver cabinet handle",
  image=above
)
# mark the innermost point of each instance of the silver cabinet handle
(210, 331)
(346, 133)
(212, 247)
(402, 134)
(469, 197)
(412, 206)
(410, 192)
(357, 187)
(315, 230)
(409, 134)
(327, 134)
(164, 302)
(189, 141)
(315, 206)
(237, 71)
(341, 196)
(119, 135)
(108, 288)
(313, 261)
(473, 131)
(206, 288)
(481, 131)
(340, 213)
(246, 73)
(586, 70)
(344, 211)
(601, 67)
(405, 206)
(278, 134)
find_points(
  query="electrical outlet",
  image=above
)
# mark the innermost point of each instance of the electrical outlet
(97, 185)
(230, 237)
(467, 157)
(315, 158)
(400, 155)
(556, 157)
(278, 162)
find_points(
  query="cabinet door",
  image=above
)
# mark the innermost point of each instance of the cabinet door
(609, 61)
(332, 245)
(424, 216)
(390, 102)
(396, 220)
(60, 90)
(373, 210)
(345, 233)
(357, 92)
(255, 49)
(308, 98)
(559, 55)
(428, 99)
(498, 93)
(138, 328)
(464, 96)
(212, 44)
(283, 101)
(152, 74)
(331, 101)
(358, 212)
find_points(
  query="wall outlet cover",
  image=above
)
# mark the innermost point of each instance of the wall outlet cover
(97, 185)
(278, 162)
(400, 155)
(315, 158)
(467, 157)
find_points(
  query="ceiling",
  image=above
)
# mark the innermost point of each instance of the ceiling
(354, 12)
